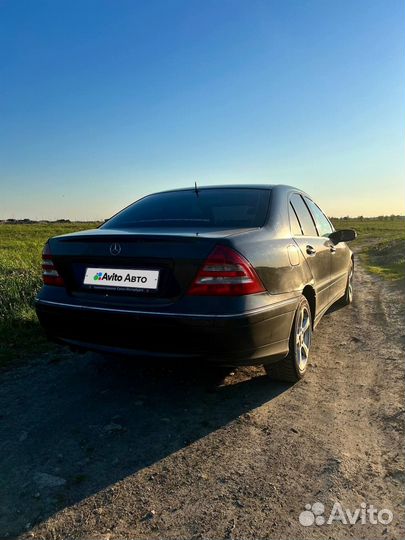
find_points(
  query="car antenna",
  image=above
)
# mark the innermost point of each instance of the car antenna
(196, 189)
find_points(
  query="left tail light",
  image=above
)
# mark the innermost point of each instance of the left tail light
(50, 275)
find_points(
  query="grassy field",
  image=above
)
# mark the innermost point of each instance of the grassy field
(20, 279)
(380, 245)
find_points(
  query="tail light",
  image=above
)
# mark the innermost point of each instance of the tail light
(50, 275)
(226, 273)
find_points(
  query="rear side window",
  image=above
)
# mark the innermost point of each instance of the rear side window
(304, 216)
(228, 208)
(322, 223)
(294, 223)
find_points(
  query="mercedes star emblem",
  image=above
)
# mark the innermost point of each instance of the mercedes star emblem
(115, 249)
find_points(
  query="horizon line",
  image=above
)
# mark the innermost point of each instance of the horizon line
(28, 221)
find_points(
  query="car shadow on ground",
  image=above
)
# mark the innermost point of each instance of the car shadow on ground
(76, 426)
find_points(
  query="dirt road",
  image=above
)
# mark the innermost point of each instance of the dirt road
(107, 449)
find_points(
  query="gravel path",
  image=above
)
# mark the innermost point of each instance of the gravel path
(108, 449)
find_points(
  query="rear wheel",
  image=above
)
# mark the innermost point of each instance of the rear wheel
(293, 367)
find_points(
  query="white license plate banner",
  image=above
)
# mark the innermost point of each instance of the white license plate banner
(126, 278)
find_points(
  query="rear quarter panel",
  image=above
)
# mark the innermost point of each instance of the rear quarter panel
(278, 261)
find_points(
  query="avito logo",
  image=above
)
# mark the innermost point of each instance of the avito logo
(99, 276)
(366, 513)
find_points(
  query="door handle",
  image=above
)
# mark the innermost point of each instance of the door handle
(311, 250)
(332, 248)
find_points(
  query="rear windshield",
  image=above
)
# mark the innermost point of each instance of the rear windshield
(231, 208)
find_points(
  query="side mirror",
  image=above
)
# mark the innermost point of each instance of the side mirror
(344, 235)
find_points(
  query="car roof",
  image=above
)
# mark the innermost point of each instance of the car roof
(278, 187)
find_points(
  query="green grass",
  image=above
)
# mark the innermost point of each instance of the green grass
(380, 244)
(20, 279)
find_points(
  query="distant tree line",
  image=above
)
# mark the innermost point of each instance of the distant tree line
(24, 221)
(392, 217)
(13, 221)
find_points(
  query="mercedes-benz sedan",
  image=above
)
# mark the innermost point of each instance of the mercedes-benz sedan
(237, 275)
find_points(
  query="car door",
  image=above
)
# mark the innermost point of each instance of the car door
(340, 253)
(315, 249)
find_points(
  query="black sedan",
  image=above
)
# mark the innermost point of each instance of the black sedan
(237, 275)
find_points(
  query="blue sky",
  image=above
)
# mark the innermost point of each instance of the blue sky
(104, 101)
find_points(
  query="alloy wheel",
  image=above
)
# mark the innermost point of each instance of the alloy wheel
(350, 286)
(303, 337)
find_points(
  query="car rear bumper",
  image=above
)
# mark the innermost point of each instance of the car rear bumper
(257, 336)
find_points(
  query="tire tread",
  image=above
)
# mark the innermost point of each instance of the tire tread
(283, 370)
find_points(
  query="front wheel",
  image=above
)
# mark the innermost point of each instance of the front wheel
(347, 298)
(293, 367)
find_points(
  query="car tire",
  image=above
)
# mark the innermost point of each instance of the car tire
(347, 298)
(293, 367)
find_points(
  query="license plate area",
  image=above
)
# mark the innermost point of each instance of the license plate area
(135, 279)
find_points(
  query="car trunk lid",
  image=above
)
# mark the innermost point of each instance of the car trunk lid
(176, 255)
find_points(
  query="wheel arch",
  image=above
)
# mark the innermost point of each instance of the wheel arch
(310, 295)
